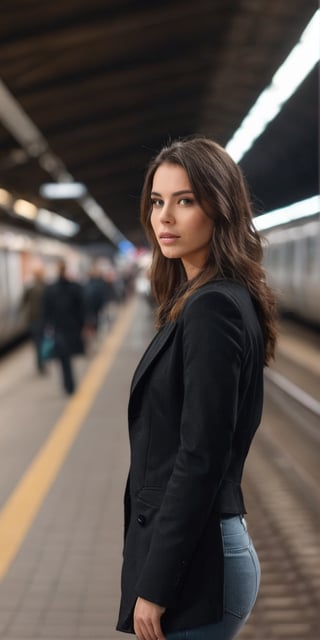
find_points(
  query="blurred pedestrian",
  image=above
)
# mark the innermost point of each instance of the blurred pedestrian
(32, 307)
(96, 296)
(190, 569)
(64, 315)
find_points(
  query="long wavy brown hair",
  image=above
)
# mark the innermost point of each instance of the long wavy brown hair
(236, 249)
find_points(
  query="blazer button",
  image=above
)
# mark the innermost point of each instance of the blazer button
(141, 519)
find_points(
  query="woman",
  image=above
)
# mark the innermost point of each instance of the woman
(190, 571)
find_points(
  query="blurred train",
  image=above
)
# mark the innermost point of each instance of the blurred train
(292, 261)
(20, 253)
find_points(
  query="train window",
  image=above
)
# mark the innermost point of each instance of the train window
(289, 254)
(311, 253)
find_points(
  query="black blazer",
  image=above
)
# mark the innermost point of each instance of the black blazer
(195, 404)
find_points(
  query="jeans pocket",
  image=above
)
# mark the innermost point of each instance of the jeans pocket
(242, 580)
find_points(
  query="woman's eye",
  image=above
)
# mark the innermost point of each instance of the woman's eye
(185, 201)
(156, 202)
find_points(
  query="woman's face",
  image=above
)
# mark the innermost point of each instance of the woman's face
(182, 228)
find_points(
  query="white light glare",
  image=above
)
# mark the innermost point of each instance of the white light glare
(285, 81)
(5, 198)
(56, 224)
(294, 211)
(19, 124)
(63, 190)
(25, 209)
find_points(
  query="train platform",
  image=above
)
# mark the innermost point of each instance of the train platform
(62, 475)
(63, 468)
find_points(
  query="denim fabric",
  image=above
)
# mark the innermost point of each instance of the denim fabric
(241, 584)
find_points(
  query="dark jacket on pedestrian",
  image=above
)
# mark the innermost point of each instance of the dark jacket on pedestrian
(96, 296)
(65, 312)
(195, 404)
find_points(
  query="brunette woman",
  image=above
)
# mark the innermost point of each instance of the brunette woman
(190, 570)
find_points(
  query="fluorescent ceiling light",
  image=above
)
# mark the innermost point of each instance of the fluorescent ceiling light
(54, 223)
(63, 190)
(98, 215)
(25, 209)
(5, 198)
(286, 80)
(31, 139)
(19, 123)
(295, 211)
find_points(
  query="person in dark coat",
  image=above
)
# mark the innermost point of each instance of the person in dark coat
(64, 314)
(97, 295)
(190, 569)
(32, 306)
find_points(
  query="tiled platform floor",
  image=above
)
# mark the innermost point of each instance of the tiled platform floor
(64, 582)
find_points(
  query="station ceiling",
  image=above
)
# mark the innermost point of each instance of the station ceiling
(108, 82)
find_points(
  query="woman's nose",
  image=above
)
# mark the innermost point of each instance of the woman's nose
(166, 214)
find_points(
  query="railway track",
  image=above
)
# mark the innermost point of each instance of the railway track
(282, 497)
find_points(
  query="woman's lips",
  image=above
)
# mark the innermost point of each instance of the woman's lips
(168, 238)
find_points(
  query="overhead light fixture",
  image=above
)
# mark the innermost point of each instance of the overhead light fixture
(103, 222)
(18, 123)
(5, 198)
(303, 57)
(63, 190)
(295, 211)
(52, 222)
(25, 209)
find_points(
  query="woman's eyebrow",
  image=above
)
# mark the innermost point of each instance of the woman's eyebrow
(176, 193)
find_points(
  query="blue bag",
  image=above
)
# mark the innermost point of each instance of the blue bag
(48, 348)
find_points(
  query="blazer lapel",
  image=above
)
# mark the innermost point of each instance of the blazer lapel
(156, 345)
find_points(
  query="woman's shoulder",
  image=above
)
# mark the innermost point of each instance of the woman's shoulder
(222, 299)
(229, 290)
(222, 304)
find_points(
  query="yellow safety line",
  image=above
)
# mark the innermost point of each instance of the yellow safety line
(25, 501)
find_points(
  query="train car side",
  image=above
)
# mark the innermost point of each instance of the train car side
(292, 261)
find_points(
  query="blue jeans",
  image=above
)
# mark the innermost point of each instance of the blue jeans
(241, 584)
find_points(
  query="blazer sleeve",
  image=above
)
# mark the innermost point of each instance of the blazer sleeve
(213, 345)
